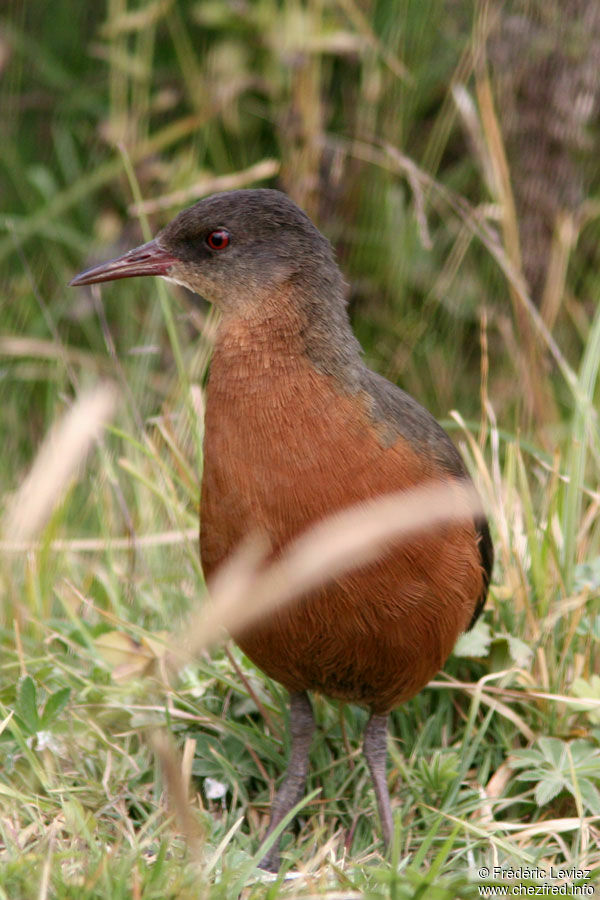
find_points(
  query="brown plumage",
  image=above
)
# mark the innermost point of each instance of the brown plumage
(296, 428)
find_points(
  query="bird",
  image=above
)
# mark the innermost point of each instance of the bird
(297, 427)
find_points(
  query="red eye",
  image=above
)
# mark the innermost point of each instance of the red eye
(218, 240)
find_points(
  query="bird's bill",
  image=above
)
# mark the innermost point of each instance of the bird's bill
(149, 259)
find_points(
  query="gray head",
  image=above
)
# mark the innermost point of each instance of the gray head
(237, 247)
(233, 249)
(241, 250)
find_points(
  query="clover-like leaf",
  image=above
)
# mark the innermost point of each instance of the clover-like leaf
(26, 705)
(54, 705)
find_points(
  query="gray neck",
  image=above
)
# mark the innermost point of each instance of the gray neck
(327, 335)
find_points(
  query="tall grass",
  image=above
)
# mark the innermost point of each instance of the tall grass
(388, 131)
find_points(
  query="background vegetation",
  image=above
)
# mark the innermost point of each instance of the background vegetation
(449, 151)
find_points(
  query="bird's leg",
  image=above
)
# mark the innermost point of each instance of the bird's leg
(302, 725)
(375, 750)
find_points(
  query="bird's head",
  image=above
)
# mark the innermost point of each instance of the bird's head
(235, 249)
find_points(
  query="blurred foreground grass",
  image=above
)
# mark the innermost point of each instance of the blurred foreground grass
(384, 128)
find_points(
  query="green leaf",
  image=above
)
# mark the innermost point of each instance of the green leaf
(520, 652)
(26, 705)
(588, 690)
(55, 704)
(586, 758)
(554, 752)
(521, 758)
(475, 642)
(561, 765)
(590, 796)
(547, 790)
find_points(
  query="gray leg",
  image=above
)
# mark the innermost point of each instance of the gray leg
(375, 750)
(302, 726)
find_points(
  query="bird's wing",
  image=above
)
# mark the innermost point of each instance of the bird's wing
(401, 415)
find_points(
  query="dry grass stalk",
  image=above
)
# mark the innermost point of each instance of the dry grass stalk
(266, 168)
(57, 460)
(102, 545)
(177, 785)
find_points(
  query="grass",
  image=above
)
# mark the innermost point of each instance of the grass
(126, 774)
